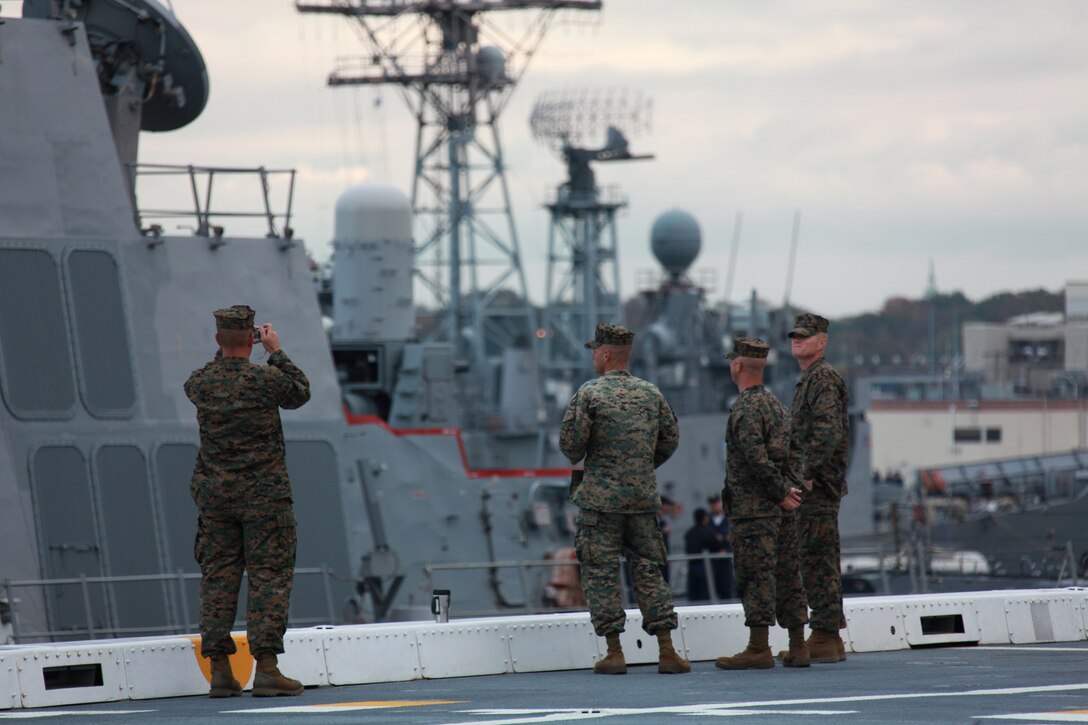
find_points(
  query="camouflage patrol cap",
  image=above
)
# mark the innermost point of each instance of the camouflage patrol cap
(748, 347)
(610, 335)
(807, 325)
(238, 317)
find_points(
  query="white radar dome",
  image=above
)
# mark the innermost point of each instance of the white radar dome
(369, 210)
(676, 239)
(372, 265)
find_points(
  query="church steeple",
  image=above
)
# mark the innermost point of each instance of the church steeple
(931, 283)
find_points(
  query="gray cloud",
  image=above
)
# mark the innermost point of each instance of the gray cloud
(956, 131)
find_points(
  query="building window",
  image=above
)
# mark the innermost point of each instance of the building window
(1037, 351)
(967, 435)
(993, 435)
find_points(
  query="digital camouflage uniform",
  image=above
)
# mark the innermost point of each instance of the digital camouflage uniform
(243, 496)
(624, 429)
(819, 441)
(757, 479)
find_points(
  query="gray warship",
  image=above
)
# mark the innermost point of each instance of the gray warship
(427, 458)
(102, 317)
(421, 462)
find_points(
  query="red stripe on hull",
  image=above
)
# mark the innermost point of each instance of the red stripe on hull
(456, 432)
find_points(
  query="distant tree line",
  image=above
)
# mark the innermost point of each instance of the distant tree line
(899, 334)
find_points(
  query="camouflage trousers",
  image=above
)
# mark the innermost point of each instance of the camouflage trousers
(818, 531)
(766, 559)
(599, 537)
(259, 539)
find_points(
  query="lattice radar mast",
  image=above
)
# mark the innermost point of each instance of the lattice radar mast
(583, 279)
(456, 69)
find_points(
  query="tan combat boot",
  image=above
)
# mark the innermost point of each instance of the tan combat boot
(223, 682)
(797, 655)
(613, 662)
(668, 661)
(826, 647)
(757, 656)
(269, 681)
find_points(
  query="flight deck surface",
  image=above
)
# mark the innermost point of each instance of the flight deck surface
(1026, 683)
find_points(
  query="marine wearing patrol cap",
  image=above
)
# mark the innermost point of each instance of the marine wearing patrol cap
(610, 335)
(238, 317)
(748, 347)
(807, 325)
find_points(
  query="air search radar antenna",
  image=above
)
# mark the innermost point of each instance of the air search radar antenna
(583, 279)
(456, 68)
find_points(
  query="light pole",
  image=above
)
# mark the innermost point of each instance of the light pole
(1077, 380)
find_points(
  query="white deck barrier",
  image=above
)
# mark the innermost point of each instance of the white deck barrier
(108, 670)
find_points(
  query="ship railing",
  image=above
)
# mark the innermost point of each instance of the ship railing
(859, 562)
(608, 195)
(920, 561)
(207, 217)
(533, 603)
(175, 584)
(408, 69)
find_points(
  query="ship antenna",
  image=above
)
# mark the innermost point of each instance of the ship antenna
(583, 271)
(789, 269)
(457, 70)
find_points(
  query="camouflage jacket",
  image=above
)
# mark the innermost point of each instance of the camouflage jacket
(624, 429)
(820, 431)
(241, 457)
(757, 439)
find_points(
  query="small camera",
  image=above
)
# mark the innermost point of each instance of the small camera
(256, 334)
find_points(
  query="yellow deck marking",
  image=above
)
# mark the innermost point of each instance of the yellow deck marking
(391, 703)
(1041, 717)
(347, 706)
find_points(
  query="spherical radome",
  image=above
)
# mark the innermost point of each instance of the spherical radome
(676, 239)
(491, 63)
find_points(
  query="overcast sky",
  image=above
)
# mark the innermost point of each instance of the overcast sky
(902, 131)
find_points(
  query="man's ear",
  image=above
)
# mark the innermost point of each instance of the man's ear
(217, 340)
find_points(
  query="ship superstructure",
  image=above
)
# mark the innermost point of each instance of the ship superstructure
(103, 315)
(412, 466)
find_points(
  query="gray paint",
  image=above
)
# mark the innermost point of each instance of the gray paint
(107, 385)
(98, 331)
(57, 177)
(37, 371)
(128, 525)
(69, 543)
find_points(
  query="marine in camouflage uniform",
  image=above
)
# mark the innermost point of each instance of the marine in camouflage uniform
(624, 428)
(759, 497)
(819, 441)
(243, 496)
